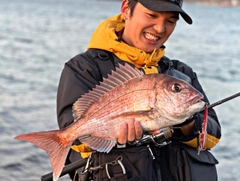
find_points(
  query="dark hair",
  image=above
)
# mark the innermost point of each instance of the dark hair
(131, 5)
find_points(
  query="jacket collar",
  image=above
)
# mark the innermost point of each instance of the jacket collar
(105, 38)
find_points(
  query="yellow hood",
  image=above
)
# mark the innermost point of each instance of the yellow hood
(105, 38)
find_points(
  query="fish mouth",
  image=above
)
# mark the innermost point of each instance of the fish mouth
(196, 104)
(197, 100)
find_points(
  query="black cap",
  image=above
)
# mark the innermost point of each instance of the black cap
(167, 6)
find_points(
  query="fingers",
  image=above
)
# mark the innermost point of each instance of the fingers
(123, 136)
(138, 130)
(130, 131)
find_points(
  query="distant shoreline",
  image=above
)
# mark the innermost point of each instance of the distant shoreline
(222, 3)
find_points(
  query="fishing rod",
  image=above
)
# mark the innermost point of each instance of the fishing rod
(223, 100)
(158, 140)
(67, 169)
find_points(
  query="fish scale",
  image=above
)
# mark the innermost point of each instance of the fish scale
(131, 95)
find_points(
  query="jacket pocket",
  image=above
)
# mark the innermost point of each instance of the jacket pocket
(198, 167)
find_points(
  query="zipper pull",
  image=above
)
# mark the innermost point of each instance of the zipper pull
(150, 150)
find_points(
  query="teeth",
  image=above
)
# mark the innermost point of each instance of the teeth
(151, 37)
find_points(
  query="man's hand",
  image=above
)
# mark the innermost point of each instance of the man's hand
(130, 131)
(186, 129)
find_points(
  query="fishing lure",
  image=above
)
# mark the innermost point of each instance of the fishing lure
(203, 133)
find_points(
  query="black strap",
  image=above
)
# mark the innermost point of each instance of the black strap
(106, 64)
(104, 60)
(167, 67)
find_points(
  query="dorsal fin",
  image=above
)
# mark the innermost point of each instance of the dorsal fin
(122, 74)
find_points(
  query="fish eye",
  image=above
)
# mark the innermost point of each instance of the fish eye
(176, 87)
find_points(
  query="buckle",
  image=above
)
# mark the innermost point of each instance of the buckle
(115, 162)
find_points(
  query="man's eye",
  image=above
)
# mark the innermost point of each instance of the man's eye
(172, 21)
(152, 15)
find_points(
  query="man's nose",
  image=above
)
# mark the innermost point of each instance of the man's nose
(159, 27)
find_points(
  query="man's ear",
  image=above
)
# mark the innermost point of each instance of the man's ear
(125, 9)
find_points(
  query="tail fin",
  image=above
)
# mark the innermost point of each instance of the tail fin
(53, 144)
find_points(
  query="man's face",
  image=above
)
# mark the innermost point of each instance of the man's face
(146, 29)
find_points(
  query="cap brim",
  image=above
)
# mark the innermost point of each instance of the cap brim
(166, 6)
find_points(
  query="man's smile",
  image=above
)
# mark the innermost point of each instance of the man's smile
(151, 37)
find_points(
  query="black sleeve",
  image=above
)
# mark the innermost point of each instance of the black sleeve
(78, 77)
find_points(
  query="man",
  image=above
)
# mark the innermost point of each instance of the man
(137, 36)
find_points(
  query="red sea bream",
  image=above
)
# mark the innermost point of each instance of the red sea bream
(156, 100)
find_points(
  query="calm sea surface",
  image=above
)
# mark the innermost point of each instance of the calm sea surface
(38, 37)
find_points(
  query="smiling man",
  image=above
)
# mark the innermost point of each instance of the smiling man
(136, 36)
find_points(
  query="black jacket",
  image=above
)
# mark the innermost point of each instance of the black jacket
(86, 70)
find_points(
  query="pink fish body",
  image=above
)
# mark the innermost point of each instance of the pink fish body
(156, 100)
